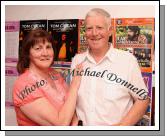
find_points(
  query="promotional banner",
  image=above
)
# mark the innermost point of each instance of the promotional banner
(137, 34)
(65, 35)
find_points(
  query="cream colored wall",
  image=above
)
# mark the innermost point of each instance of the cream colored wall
(23, 12)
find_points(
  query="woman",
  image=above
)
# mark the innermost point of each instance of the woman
(41, 96)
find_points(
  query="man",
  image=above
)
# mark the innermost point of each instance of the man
(112, 90)
(133, 35)
(65, 49)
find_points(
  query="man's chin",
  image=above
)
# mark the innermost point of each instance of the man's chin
(96, 48)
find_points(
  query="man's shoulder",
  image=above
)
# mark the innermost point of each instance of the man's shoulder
(123, 55)
(120, 52)
(79, 57)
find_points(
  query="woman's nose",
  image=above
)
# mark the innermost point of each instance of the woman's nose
(44, 52)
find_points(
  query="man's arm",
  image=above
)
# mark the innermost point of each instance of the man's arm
(135, 114)
(74, 121)
(140, 105)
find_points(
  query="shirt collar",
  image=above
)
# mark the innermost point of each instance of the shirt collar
(110, 55)
(89, 57)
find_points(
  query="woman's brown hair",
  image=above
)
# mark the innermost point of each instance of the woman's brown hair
(34, 37)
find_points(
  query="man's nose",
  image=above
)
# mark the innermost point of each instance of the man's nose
(94, 31)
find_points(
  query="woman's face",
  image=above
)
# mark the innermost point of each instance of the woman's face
(41, 55)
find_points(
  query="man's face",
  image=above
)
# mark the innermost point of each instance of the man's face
(97, 32)
(131, 35)
(63, 37)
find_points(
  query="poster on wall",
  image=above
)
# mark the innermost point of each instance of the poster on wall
(83, 45)
(28, 25)
(11, 58)
(137, 34)
(147, 77)
(65, 35)
(11, 75)
(143, 56)
(111, 38)
(11, 39)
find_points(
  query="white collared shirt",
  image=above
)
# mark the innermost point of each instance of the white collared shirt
(103, 96)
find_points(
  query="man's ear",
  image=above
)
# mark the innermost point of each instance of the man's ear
(110, 30)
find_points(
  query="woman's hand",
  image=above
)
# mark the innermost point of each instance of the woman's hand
(77, 75)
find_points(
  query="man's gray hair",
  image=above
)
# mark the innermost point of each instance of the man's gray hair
(101, 12)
